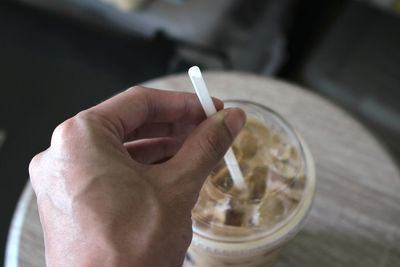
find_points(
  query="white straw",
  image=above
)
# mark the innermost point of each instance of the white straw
(209, 108)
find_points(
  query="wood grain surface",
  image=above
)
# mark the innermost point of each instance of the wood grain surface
(355, 219)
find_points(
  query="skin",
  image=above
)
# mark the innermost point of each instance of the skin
(118, 182)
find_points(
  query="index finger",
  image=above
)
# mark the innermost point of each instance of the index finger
(137, 105)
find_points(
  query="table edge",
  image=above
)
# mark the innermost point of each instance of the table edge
(15, 230)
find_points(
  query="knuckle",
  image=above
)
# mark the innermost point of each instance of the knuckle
(63, 131)
(71, 131)
(34, 167)
(137, 89)
(33, 164)
(86, 118)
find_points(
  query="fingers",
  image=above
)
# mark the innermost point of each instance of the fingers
(207, 144)
(151, 130)
(34, 169)
(137, 105)
(149, 151)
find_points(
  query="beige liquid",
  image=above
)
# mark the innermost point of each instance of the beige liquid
(227, 217)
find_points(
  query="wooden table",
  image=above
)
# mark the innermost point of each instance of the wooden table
(355, 220)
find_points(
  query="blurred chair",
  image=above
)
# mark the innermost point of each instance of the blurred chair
(224, 34)
(357, 64)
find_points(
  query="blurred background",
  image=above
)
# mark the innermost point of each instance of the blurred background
(58, 57)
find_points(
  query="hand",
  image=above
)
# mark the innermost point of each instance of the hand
(118, 182)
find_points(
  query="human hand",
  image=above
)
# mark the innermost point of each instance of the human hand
(118, 182)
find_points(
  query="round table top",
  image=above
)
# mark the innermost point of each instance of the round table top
(355, 219)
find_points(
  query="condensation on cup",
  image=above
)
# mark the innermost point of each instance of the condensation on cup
(247, 227)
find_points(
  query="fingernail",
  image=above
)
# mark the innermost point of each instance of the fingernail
(235, 119)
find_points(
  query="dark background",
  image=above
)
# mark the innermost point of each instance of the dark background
(52, 66)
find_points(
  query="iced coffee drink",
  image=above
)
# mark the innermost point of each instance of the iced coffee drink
(246, 227)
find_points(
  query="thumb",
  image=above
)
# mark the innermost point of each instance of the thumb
(207, 144)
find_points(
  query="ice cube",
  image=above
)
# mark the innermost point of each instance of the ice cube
(247, 144)
(239, 212)
(236, 151)
(294, 154)
(275, 182)
(286, 168)
(222, 180)
(272, 207)
(234, 217)
(256, 183)
(281, 151)
(296, 194)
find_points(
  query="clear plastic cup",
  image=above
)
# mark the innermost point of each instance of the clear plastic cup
(233, 227)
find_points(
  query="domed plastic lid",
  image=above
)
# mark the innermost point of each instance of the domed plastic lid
(273, 163)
